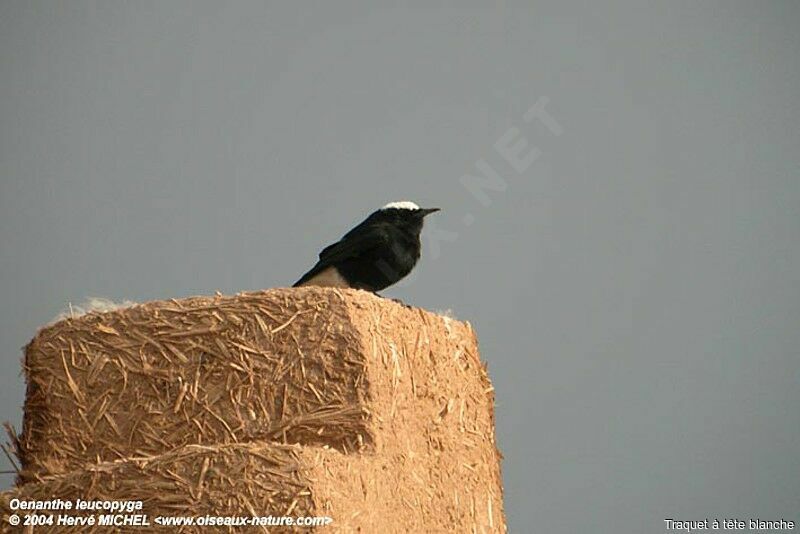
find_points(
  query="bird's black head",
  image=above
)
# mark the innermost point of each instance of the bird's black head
(404, 214)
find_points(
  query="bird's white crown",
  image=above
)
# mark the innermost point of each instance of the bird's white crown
(401, 205)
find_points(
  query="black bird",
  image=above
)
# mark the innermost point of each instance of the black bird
(378, 252)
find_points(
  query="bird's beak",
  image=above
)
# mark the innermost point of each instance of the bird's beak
(428, 211)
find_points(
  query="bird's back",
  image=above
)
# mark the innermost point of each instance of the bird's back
(372, 256)
(378, 252)
(385, 264)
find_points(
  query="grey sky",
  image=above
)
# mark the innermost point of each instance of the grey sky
(636, 289)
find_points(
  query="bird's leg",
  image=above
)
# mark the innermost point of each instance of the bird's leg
(402, 303)
(398, 301)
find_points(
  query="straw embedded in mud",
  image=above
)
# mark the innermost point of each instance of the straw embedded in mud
(311, 400)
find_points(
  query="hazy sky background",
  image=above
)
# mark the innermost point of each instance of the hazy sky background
(636, 289)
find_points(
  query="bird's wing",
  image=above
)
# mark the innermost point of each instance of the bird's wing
(354, 245)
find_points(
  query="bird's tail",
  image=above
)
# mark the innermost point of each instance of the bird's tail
(323, 275)
(308, 276)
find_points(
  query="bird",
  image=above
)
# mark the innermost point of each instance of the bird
(378, 252)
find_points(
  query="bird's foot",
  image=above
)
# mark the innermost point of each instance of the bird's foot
(398, 301)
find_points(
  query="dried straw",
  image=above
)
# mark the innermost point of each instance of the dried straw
(381, 413)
